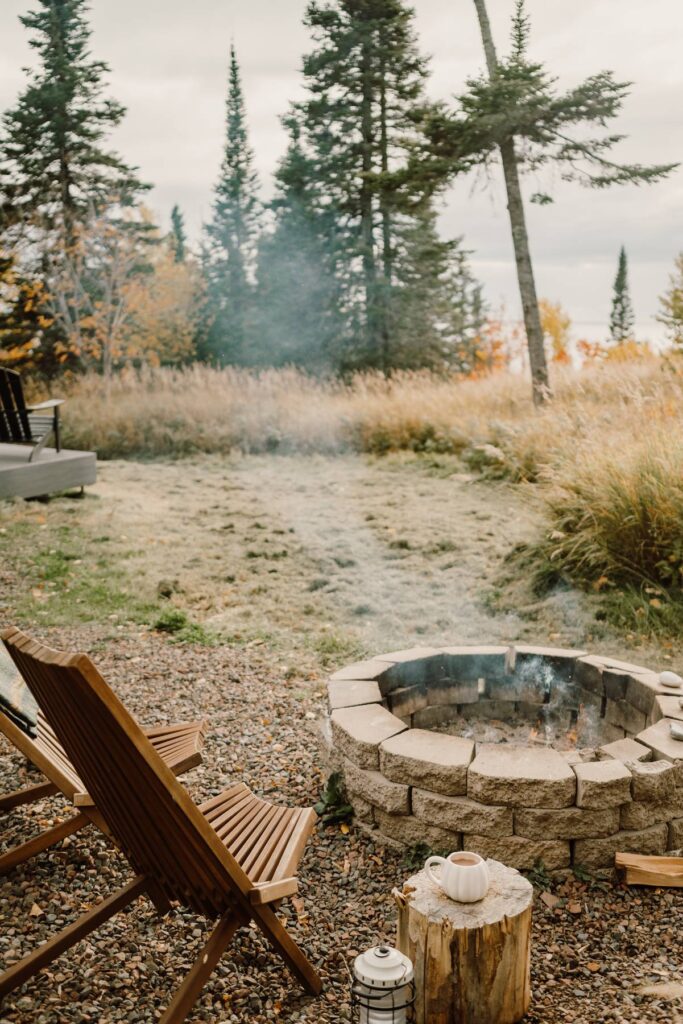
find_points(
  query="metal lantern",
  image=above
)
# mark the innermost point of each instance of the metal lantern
(383, 988)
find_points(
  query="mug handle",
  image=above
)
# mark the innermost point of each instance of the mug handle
(430, 873)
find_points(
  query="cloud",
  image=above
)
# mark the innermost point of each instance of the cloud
(169, 67)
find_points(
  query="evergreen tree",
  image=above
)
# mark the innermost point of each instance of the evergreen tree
(621, 321)
(229, 254)
(54, 165)
(178, 236)
(516, 112)
(365, 83)
(436, 309)
(298, 297)
(671, 304)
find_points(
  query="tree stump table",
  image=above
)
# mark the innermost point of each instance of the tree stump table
(471, 959)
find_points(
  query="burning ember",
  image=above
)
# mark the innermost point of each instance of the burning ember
(559, 727)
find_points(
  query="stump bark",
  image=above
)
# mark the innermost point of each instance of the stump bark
(471, 959)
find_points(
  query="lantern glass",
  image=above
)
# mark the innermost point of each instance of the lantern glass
(383, 990)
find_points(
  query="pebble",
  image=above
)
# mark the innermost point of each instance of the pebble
(263, 734)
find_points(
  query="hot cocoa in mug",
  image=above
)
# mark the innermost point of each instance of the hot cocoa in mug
(464, 876)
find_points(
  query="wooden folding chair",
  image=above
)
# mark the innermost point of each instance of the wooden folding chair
(232, 859)
(179, 745)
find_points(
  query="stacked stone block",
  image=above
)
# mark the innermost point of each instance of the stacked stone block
(520, 805)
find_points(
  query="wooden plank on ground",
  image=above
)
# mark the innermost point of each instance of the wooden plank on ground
(660, 871)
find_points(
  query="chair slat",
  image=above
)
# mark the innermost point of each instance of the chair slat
(234, 874)
(12, 425)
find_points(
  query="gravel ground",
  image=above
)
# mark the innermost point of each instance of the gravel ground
(601, 952)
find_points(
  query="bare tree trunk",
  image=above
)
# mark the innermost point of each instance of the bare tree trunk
(367, 213)
(520, 239)
(387, 254)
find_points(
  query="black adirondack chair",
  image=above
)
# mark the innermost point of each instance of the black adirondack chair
(26, 424)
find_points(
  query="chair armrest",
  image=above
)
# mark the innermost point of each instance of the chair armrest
(83, 800)
(50, 403)
(268, 892)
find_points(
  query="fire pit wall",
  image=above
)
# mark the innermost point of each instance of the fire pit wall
(411, 783)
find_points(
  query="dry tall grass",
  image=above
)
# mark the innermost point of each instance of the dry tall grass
(607, 451)
(178, 412)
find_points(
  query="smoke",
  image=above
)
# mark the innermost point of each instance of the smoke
(563, 719)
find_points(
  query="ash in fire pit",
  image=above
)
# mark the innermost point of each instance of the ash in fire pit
(520, 753)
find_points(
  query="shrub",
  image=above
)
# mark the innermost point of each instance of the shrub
(617, 512)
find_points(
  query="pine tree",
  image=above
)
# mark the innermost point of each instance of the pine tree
(365, 83)
(517, 113)
(436, 309)
(178, 236)
(671, 304)
(621, 321)
(298, 297)
(54, 165)
(229, 254)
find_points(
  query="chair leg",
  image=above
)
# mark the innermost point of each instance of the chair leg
(285, 945)
(50, 950)
(186, 996)
(41, 842)
(37, 448)
(27, 796)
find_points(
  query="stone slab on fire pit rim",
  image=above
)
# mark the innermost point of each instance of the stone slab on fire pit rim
(565, 823)
(413, 665)
(676, 834)
(588, 674)
(436, 715)
(599, 853)
(469, 664)
(452, 691)
(412, 831)
(624, 750)
(625, 716)
(667, 706)
(642, 689)
(663, 745)
(430, 760)
(602, 784)
(359, 731)
(370, 669)
(517, 852)
(643, 813)
(375, 789)
(460, 814)
(652, 780)
(349, 693)
(406, 700)
(561, 661)
(527, 776)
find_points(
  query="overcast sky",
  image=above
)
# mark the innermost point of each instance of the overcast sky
(169, 60)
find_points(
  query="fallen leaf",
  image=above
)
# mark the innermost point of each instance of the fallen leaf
(655, 602)
(550, 900)
(574, 907)
(298, 904)
(35, 911)
(593, 966)
(344, 828)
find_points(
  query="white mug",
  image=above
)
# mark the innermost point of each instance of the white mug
(464, 876)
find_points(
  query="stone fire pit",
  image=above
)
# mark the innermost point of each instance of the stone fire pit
(520, 754)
